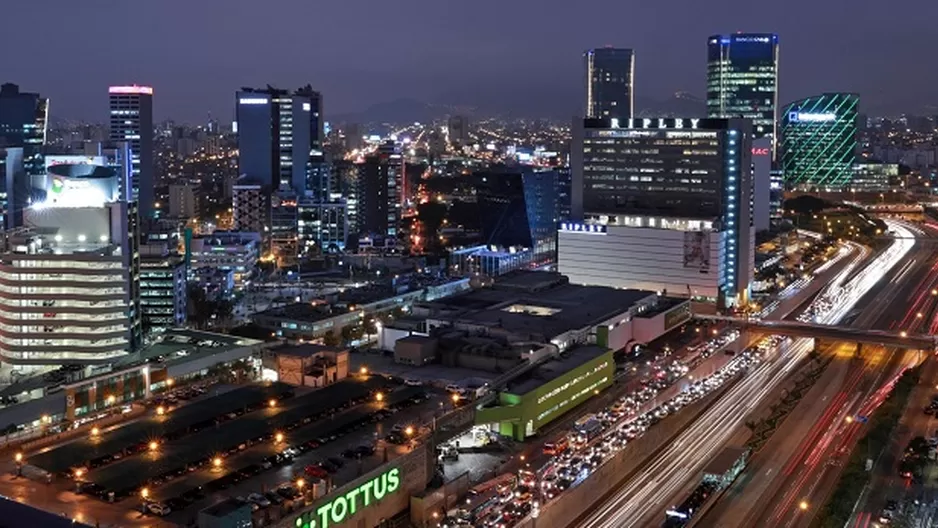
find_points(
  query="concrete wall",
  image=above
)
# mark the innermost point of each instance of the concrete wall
(576, 502)
(642, 258)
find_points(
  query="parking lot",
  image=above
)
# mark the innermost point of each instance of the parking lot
(245, 443)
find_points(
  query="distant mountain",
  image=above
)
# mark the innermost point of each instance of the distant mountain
(404, 110)
(681, 104)
(397, 111)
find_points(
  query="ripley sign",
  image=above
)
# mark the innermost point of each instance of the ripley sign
(340, 508)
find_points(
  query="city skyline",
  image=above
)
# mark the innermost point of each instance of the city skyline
(195, 61)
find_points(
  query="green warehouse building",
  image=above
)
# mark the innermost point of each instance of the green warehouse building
(549, 391)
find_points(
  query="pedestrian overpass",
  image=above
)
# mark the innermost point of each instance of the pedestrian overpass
(831, 332)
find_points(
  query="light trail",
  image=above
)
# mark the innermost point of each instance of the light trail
(695, 446)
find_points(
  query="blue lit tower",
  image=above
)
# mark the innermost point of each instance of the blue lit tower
(742, 80)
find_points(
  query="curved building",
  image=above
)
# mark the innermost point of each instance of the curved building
(819, 141)
(69, 284)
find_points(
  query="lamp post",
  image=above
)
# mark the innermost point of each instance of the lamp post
(18, 458)
(144, 497)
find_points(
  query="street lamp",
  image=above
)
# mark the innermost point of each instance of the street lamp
(160, 411)
(409, 430)
(216, 463)
(278, 437)
(153, 445)
(111, 399)
(363, 370)
(455, 398)
(95, 431)
(272, 403)
(803, 506)
(379, 397)
(170, 382)
(903, 334)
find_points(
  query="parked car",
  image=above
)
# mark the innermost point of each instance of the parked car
(259, 499)
(158, 509)
(316, 471)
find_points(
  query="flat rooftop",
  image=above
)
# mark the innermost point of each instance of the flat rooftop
(304, 350)
(551, 370)
(541, 305)
(662, 305)
(306, 312)
(19, 515)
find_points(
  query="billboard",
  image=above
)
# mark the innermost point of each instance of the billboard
(697, 250)
(75, 181)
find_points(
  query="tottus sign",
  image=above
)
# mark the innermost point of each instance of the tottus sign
(344, 506)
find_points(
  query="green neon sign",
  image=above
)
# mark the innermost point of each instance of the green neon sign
(340, 508)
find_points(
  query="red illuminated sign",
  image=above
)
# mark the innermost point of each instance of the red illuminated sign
(760, 151)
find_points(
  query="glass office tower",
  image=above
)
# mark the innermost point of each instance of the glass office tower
(131, 121)
(819, 141)
(609, 74)
(742, 80)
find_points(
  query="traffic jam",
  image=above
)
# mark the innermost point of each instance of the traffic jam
(596, 438)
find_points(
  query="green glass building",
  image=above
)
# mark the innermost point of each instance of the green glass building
(819, 141)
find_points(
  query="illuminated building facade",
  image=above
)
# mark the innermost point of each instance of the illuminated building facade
(278, 132)
(131, 120)
(666, 206)
(742, 80)
(380, 180)
(819, 141)
(69, 277)
(609, 74)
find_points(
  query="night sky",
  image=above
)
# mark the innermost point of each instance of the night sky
(522, 55)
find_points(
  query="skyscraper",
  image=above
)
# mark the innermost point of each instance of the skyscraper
(609, 74)
(379, 192)
(278, 131)
(23, 121)
(742, 80)
(819, 141)
(131, 120)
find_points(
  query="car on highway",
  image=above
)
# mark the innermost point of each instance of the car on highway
(889, 512)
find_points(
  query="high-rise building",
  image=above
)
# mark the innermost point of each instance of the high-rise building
(380, 180)
(322, 227)
(761, 183)
(14, 186)
(457, 128)
(24, 120)
(163, 289)
(131, 121)
(278, 131)
(666, 207)
(284, 236)
(742, 80)
(819, 141)
(71, 272)
(518, 211)
(182, 201)
(609, 76)
(250, 208)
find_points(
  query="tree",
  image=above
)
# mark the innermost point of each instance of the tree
(330, 339)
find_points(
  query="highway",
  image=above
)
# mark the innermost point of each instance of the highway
(789, 480)
(641, 500)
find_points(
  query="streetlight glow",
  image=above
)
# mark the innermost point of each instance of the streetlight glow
(95, 431)
(272, 402)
